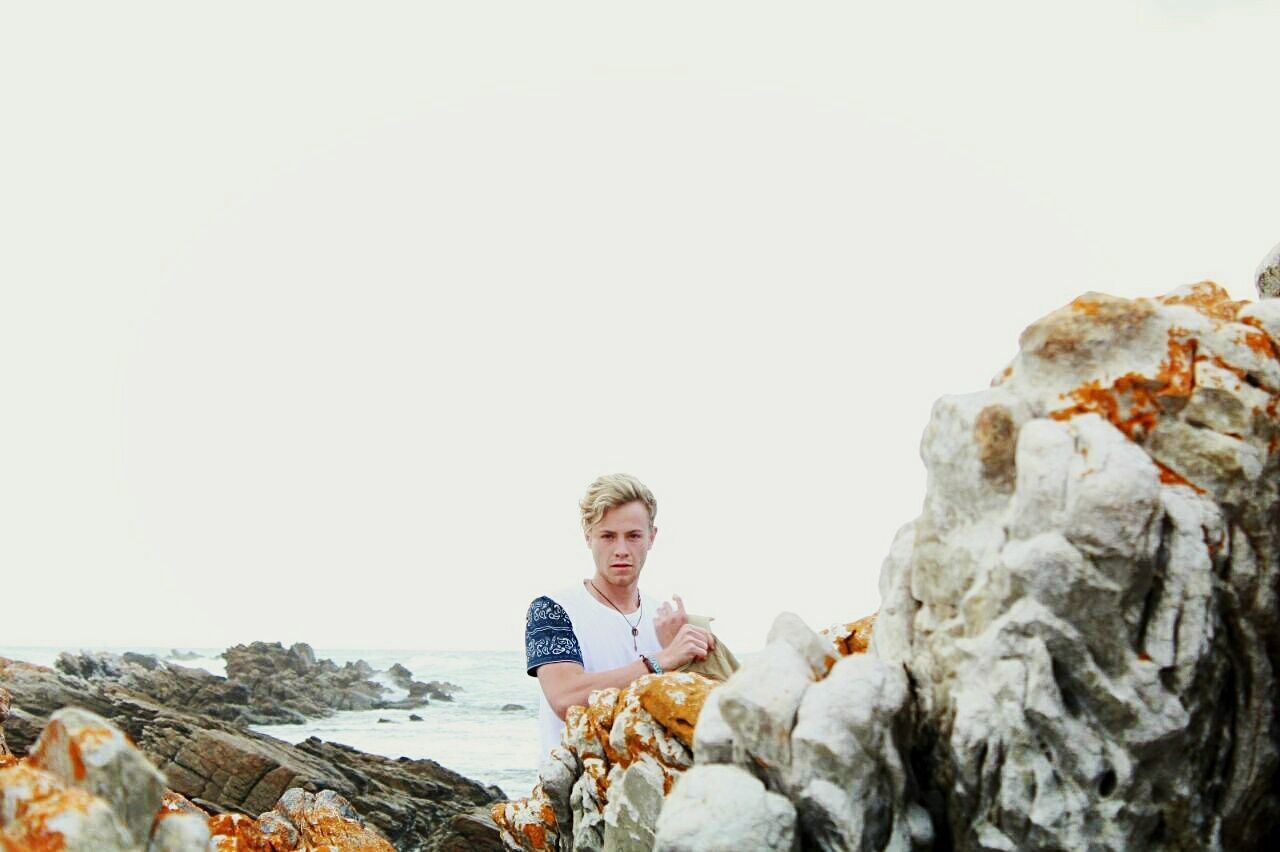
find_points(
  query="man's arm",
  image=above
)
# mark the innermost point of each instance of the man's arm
(569, 684)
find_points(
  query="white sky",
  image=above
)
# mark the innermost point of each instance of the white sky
(317, 319)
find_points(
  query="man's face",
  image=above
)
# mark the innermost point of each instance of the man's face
(620, 543)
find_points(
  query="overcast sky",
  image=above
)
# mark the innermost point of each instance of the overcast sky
(317, 319)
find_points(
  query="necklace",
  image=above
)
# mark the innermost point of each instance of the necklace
(635, 628)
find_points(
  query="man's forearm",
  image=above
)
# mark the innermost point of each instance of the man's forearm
(581, 684)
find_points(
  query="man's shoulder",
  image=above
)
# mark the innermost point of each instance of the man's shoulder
(551, 610)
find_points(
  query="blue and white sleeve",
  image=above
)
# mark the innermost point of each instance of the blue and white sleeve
(549, 636)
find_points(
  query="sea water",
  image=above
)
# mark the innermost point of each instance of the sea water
(471, 735)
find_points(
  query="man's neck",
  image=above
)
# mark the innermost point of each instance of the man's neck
(624, 598)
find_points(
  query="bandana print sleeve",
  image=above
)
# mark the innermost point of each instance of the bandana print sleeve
(549, 636)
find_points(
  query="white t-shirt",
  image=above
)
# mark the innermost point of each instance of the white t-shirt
(572, 626)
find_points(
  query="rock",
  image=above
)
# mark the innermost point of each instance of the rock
(603, 787)
(38, 811)
(1267, 278)
(223, 767)
(400, 676)
(1078, 643)
(713, 740)
(851, 638)
(436, 690)
(265, 684)
(509, 708)
(724, 807)
(631, 815)
(759, 704)
(6, 757)
(302, 657)
(146, 661)
(414, 717)
(790, 629)
(175, 654)
(180, 832)
(326, 818)
(83, 750)
(847, 771)
(382, 721)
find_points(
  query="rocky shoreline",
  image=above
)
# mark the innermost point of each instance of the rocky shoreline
(193, 727)
(265, 684)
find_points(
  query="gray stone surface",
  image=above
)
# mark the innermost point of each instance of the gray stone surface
(718, 807)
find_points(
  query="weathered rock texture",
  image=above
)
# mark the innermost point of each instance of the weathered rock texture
(416, 804)
(1267, 279)
(1077, 643)
(604, 786)
(621, 755)
(86, 787)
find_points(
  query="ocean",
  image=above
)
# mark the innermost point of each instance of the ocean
(471, 735)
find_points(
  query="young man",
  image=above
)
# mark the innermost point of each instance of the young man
(603, 632)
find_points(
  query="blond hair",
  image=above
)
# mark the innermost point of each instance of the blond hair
(609, 492)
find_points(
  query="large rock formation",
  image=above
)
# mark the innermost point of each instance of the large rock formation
(1077, 642)
(223, 768)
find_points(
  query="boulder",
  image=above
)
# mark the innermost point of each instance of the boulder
(85, 751)
(725, 807)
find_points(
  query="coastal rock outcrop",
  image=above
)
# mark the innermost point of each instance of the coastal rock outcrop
(228, 770)
(1078, 637)
(266, 683)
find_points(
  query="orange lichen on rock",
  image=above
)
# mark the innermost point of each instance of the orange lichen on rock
(326, 819)
(38, 811)
(599, 719)
(41, 824)
(1171, 477)
(1132, 402)
(1209, 299)
(1086, 306)
(237, 833)
(176, 803)
(852, 638)
(675, 702)
(1259, 343)
(528, 823)
(57, 739)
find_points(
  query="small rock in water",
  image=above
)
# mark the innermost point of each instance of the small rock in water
(384, 721)
(414, 717)
(509, 707)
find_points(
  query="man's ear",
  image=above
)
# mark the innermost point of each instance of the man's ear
(653, 533)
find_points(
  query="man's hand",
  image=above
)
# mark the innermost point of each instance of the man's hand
(667, 621)
(690, 643)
